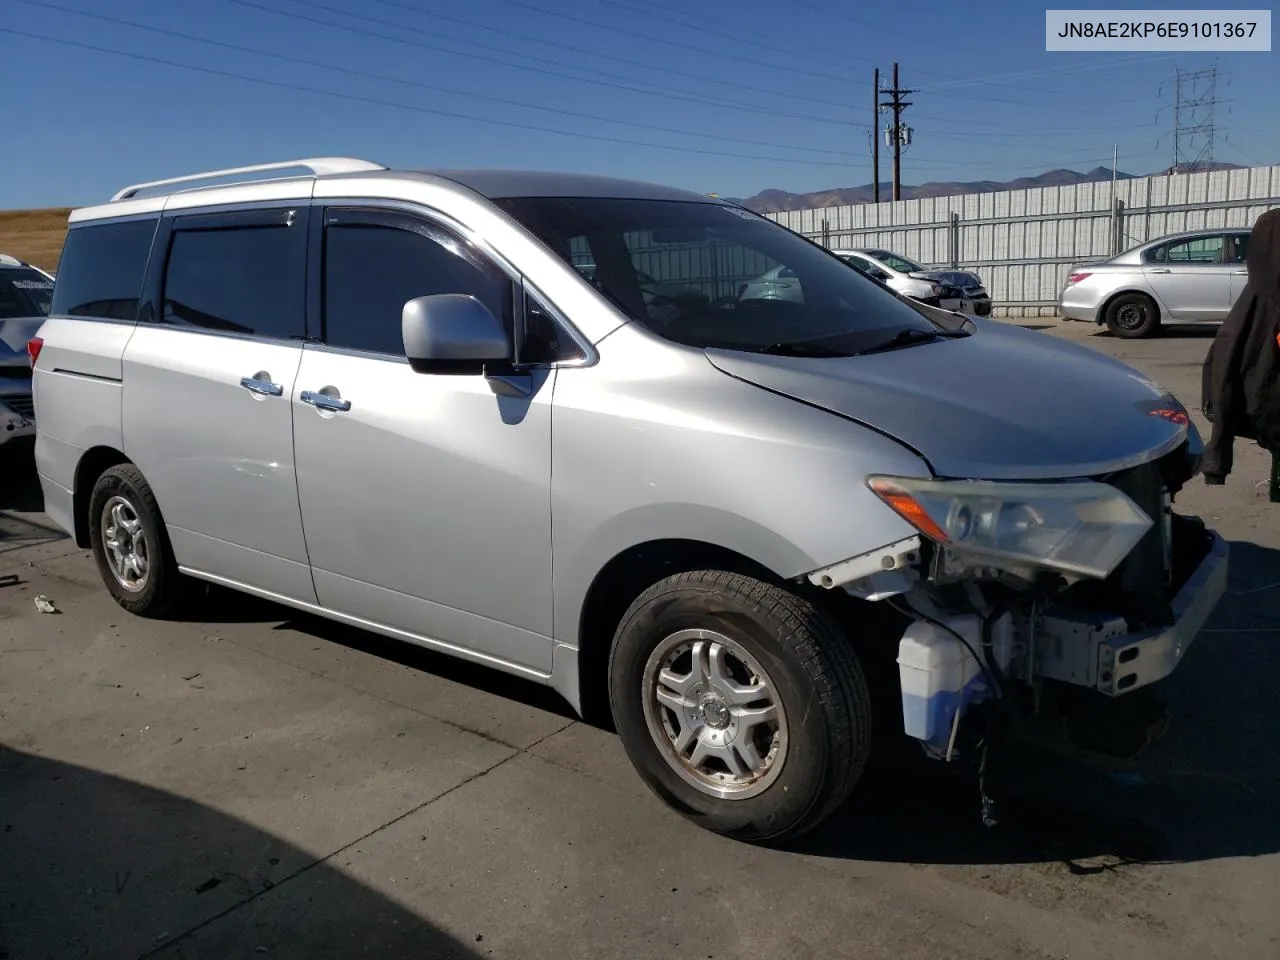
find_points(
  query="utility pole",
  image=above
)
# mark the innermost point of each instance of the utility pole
(875, 134)
(1194, 100)
(898, 133)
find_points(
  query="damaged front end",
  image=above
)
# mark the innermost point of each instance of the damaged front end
(1042, 598)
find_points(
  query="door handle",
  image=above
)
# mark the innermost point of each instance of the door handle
(1162, 270)
(261, 385)
(324, 401)
(1240, 273)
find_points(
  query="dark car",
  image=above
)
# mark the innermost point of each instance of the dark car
(26, 293)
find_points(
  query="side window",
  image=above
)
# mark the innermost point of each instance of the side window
(101, 270)
(1197, 250)
(248, 278)
(375, 263)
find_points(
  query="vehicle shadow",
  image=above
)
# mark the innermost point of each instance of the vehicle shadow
(214, 604)
(1180, 331)
(98, 866)
(19, 484)
(1210, 788)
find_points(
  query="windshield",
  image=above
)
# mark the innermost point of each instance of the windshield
(714, 275)
(901, 264)
(24, 293)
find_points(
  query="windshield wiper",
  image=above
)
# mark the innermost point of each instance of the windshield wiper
(800, 349)
(908, 337)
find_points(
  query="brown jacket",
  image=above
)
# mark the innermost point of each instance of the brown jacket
(1241, 376)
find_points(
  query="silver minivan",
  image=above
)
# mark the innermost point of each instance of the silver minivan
(757, 535)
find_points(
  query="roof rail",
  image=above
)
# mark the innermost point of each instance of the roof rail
(319, 166)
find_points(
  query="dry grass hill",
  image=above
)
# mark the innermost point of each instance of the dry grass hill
(34, 235)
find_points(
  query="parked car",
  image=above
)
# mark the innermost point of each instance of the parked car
(960, 290)
(781, 283)
(1191, 277)
(390, 399)
(25, 295)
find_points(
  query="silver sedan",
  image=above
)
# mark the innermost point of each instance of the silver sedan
(1190, 277)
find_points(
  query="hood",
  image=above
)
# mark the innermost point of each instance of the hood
(952, 278)
(14, 334)
(1264, 254)
(1001, 404)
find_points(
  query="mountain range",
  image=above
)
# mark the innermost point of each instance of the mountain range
(776, 201)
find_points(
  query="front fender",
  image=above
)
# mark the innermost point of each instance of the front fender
(655, 443)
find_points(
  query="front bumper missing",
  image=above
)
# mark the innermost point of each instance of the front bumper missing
(1097, 650)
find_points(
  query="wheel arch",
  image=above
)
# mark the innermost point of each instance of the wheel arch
(633, 570)
(619, 581)
(92, 464)
(1129, 291)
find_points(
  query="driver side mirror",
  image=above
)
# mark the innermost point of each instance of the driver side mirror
(452, 333)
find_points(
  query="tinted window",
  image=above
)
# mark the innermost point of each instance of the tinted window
(1196, 250)
(24, 293)
(544, 340)
(101, 270)
(699, 274)
(901, 264)
(372, 269)
(244, 279)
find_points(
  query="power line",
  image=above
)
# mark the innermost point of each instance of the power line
(274, 55)
(750, 107)
(915, 39)
(354, 98)
(701, 51)
(806, 48)
(666, 17)
(1027, 74)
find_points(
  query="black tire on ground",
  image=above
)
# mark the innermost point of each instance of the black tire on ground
(811, 668)
(1133, 316)
(155, 594)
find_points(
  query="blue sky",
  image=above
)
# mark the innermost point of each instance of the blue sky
(732, 96)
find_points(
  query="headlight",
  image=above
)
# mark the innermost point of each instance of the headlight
(1082, 528)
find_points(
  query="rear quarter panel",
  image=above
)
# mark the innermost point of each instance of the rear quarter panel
(78, 390)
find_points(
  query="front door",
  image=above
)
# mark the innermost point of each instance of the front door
(208, 375)
(1191, 279)
(426, 498)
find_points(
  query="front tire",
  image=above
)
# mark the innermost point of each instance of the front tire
(1133, 316)
(740, 704)
(130, 545)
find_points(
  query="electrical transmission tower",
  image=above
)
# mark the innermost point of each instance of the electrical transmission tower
(1195, 99)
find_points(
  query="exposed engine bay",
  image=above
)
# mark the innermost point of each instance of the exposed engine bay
(1121, 591)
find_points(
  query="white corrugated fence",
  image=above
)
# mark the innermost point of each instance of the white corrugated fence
(1022, 242)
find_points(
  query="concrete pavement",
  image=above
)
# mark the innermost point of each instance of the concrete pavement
(249, 782)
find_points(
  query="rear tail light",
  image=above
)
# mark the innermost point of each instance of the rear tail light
(1077, 276)
(33, 350)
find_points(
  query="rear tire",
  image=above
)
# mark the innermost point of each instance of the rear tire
(742, 705)
(130, 544)
(1133, 316)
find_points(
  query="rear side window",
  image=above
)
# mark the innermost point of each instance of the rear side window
(24, 293)
(101, 270)
(372, 268)
(247, 279)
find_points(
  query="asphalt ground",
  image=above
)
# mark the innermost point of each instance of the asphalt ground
(251, 782)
